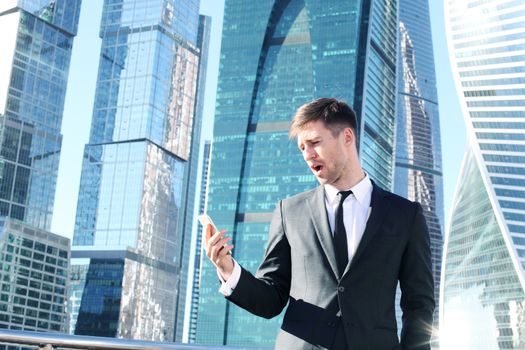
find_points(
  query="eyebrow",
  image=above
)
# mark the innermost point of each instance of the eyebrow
(309, 140)
(313, 138)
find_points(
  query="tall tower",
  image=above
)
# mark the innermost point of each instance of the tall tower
(36, 41)
(187, 251)
(418, 172)
(275, 56)
(130, 214)
(191, 316)
(483, 281)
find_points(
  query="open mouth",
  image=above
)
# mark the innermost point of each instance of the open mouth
(316, 168)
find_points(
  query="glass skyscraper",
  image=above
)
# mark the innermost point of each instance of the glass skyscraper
(483, 280)
(36, 42)
(418, 171)
(130, 214)
(187, 249)
(191, 316)
(275, 56)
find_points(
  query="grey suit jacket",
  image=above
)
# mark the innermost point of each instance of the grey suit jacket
(299, 269)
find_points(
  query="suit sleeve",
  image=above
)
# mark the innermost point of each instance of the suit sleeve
(417, 286)
(266, 293)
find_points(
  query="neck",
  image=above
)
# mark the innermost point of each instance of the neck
(357, 176)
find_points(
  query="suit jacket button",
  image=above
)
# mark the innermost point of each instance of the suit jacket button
(331, 324)
(341, 289)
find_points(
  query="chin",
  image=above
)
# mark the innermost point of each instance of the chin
(321, 180)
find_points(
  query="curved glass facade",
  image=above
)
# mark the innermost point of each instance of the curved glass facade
(483, 298)
(483, 270)
(275, 56)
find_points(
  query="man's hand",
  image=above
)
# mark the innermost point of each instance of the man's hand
(218, 251)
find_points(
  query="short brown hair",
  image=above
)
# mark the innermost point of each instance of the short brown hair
(335, 114)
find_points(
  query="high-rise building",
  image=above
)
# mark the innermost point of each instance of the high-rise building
(194, 293)
(187, 250)
(275, 56)
(33, 276)
(418, 171)
(483, 280)
(36, 43)
(130, 213)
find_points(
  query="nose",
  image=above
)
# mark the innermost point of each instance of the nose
(309, 153)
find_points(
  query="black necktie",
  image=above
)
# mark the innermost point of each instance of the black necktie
(340, 242)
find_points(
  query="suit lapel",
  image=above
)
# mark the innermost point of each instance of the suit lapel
(317, 207)
(379, 207)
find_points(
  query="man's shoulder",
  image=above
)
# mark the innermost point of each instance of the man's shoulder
(302, 196)
(394, 198)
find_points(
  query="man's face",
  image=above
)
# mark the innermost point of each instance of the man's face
(327, 155)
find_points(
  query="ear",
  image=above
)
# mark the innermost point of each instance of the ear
(349, 135)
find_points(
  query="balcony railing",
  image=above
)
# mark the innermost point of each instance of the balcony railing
(49, 341)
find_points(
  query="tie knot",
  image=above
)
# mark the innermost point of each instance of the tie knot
(343, 195)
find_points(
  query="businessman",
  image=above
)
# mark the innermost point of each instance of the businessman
(336, 253)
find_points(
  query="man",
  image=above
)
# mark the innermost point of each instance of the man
(337, 266)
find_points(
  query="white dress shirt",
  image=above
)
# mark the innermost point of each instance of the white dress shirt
(356, 210)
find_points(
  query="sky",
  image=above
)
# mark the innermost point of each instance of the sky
(81, 90)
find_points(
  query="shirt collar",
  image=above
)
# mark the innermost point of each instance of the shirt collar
(361, 191)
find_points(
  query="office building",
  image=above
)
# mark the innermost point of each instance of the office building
(130, 213)
(33, 278)
(36, 43)
(275, 56)
(187, 249)
(195, 287)
(482, 290)
(418, 171)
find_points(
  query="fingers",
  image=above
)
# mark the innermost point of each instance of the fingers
(221, 253)
(217, 248)
(210, 230)
(213, 237)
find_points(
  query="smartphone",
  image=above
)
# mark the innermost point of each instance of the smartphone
(205, 220)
